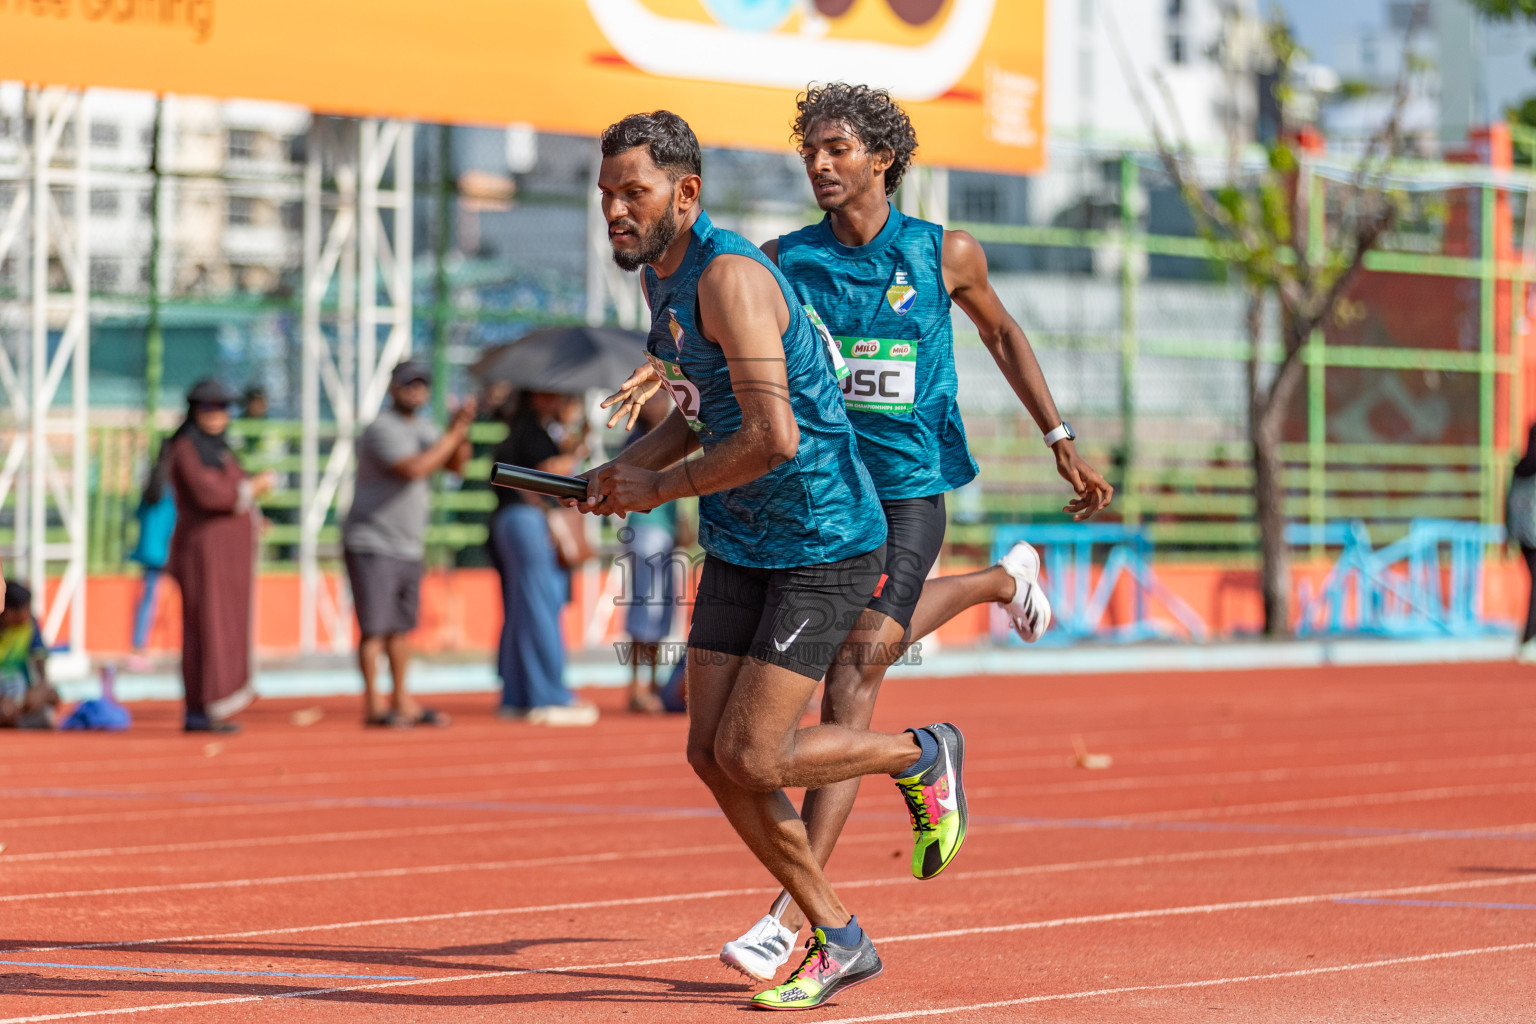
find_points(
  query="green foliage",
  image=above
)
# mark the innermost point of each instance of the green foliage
(1523, 119)
(1506, 10)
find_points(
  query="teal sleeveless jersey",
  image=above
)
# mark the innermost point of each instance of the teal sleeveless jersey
(886, 305)
(821, 506)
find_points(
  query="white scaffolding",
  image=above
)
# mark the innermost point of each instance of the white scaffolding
(44, 344)
(358, 216)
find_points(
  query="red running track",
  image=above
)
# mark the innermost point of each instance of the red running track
(1280, 846)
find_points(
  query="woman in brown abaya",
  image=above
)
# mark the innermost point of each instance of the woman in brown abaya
(212, 559)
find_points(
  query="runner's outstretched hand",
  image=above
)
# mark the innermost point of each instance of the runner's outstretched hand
(633, 394)
(1093, 491)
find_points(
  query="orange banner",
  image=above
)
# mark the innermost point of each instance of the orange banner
(970, 72)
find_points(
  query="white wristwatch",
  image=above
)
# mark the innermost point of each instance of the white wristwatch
(1063, 432)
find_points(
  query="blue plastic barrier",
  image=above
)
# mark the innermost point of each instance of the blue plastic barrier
(1078, 601)
(1428, 584)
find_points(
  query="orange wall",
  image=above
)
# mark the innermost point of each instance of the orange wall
(461, 610)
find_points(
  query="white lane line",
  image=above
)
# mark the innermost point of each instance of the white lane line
(1122, 783)
(326, 753)
(1334, 802)
(1212, 908)
(295, 804)
(251, 780)
(260, 841)
(994, 757)
(251, 842)
(311, 993)
(1061, 867)
(1207, 908)
(1374, 769)
(1171, 986)
(1217, 811)
(347, 876)
(501, 865)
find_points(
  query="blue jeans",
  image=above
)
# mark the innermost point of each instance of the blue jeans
(531, 658)
(649, 616)
(144, 614)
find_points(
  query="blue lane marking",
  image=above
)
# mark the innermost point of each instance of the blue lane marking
(1442, 903)
(182, 970)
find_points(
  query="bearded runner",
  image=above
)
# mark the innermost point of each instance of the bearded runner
(793, 532)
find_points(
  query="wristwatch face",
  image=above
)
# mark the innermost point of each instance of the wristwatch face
(1071, 434)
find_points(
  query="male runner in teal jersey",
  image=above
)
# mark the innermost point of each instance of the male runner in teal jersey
(881, 284)
(793, 532)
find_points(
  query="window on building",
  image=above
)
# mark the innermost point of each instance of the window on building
(1178, 49)
(5, 127)
(293, 215)
(146, 203)
(103, 274)
(981, 203)
(242, 210)
(147, 137)
(242, 144)
(64, 199)
(105, 204)
(105, 135)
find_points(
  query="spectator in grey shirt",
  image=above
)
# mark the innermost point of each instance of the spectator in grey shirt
(384, 536)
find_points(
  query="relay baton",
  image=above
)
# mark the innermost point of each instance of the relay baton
(504, 474)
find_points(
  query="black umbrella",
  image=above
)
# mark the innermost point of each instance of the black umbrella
(564, 360)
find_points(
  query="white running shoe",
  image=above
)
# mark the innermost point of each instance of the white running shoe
(1029, 609)
(762, 950)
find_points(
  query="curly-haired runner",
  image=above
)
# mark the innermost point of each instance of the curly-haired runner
(881, 284)
(871, 117)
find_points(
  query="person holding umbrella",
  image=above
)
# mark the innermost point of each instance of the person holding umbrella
(543, 433)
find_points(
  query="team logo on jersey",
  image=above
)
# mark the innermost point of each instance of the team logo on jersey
(901, 295)
(676, 329)
(900, 350)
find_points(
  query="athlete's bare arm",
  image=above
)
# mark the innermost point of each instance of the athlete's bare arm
(742, 310)
(662, 447)
(965, 276)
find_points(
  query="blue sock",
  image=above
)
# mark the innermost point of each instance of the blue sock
(930, 754)
(849, 934)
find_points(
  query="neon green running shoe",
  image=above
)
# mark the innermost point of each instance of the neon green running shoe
(936, 803)
(826, 970)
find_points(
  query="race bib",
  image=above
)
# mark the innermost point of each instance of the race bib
(838, 365)
(683, 391)
(882, 374)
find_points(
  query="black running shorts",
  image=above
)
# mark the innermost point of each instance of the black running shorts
(914, 534)
(794, 618)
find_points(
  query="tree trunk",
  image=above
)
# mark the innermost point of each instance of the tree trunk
(1266, 420)
(1269, 511)
(1267, 410)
